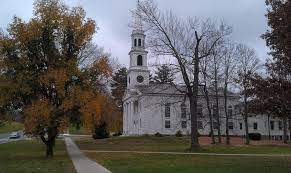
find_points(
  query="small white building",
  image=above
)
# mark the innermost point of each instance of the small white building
(151, 108)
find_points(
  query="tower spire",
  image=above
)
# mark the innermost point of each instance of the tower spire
(137, 18)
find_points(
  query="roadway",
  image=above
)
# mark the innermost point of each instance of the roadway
(4, 137)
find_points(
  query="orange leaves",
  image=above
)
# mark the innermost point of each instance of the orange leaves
(38, 114)
(57, 78)
(104, 66)
(40, 63)
(92, 113)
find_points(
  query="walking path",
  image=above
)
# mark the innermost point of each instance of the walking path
(82, 163)
(181, 153)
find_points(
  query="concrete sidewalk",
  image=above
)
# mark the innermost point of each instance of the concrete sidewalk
(82, 163)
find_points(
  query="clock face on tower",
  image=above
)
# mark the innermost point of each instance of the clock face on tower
(139, 79)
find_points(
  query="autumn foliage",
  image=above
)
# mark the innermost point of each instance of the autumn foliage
(42, 75)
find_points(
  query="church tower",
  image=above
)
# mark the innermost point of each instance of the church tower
(138, 73)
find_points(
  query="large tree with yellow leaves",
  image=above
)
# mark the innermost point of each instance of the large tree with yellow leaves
(41, 74)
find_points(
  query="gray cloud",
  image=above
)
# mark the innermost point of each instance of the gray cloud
(114, 16)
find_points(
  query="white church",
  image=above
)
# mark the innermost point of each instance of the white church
(161, 108)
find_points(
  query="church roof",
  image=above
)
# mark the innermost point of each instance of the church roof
(157, 88)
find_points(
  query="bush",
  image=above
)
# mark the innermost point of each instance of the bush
(100, 131)
(158, 135)
(146, 135)
(179, 134)
(255, 136)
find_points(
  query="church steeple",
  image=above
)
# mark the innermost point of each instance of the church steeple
(138, 70)
(137, 25)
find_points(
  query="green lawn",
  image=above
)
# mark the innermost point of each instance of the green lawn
(7, 127)
(164, 163)
(172, 144)
(152, 163)
(28, 157)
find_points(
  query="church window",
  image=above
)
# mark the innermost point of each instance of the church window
(255, 126)
(184, 124)
(229, 111)
(139, 60)
(230, 125)
(139, 42)
(183, 111)
(167, 124)
(272, 124)
(134, 42)
(167, 110)
(240, 126)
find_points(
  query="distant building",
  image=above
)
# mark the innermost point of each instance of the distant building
(151, 108)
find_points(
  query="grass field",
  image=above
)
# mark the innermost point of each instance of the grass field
(173, 144)
(7, 127)
(163, 163)
(28, 157)
(156, 163)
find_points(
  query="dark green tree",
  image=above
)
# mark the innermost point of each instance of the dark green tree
(118, 86)
(164, 74)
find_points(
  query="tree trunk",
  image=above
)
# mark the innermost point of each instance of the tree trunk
(217, 111)
(216, 101)
(246, 120)
(209, 114)
(194, 131)
(193, 106)
(226, 114)
(285, 119)
(50, 141)
(49, 149)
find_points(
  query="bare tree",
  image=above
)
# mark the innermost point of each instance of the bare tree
(216, 58)
(187, 41)
(229, 64)
(90, 53)
(206, 82)
(248, 64)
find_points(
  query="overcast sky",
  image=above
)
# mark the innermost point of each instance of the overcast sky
(113, 17)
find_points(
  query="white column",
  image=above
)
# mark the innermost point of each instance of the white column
(132, 117)
(125, 119)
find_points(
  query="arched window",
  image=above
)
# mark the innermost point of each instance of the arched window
(134, 42)
(139, 42)
(139, 60)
